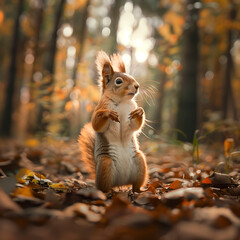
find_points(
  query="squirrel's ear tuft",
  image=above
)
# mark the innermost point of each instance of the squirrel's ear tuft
(118, 63)
(104, 68)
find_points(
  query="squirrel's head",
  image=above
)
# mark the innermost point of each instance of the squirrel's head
(113, 78)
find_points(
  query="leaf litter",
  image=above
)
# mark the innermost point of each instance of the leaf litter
(45, 192)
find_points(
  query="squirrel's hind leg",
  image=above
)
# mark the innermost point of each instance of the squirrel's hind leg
(141, 176)
(104, 176)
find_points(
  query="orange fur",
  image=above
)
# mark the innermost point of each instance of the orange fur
(106, 65)
(101, 117)
(138, 117)
(86, 144)
(109, 144)
(101, 60)
(142, 171)
(118, 64)
(104, 176)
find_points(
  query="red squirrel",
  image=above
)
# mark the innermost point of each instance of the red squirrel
(108, 144)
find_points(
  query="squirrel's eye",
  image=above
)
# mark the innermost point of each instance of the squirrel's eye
(118, 81)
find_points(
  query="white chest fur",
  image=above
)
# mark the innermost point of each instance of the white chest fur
(120, 132)
(121, 145)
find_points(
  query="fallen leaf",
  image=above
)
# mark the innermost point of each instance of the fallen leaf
(37, 216)
(69, 168)
(24, 191)
(81, 209)
(52, 198)
(219, 180)
(92, 193)
(32, 142)
(58, 186)
(186, 230)
(147, 199)
(34, 155)
(175, 185)
(7, 204)
(206, 181)
(153, 185)
(175, 197)
(26, 176)
(21, 174)
(235, 191)
(9, 161)
(119, 207)
(222, 222)
(211, 214)
(9, 230)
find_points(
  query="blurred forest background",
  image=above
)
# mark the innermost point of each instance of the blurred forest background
(184, 53)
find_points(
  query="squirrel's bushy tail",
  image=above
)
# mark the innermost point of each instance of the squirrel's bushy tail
(86, 141)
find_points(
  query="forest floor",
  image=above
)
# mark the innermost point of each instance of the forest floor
(46, 193)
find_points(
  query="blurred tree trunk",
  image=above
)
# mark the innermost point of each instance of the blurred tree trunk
(81, 38)
(187, 98)
(162, 78)
(50, 64)
(36, 67)
(216, 86)
(115, 16)
(39, 21)
(228, 101)
(11, 80)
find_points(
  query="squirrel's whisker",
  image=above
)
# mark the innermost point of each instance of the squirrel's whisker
(150, 126)
(144, 134)
(147, 120)
(150, 96)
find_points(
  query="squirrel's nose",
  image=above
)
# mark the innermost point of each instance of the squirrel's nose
(136, 86)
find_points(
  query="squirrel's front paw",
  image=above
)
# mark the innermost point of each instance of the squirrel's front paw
(112, 115)
(137, 113)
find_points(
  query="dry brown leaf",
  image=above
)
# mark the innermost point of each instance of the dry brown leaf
(188, 193)
(119, 207)
(222, 222)
(92, 193)
(219, 180)
(175, 185)
(81, 209)
(7, 204)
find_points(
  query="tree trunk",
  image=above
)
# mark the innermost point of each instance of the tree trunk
(81, 39)
(216, 87)
(36, 51)
(115, 16)
(11, 81)
(187, 99)
(50, 64)
(31, 122)
(228, 102)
